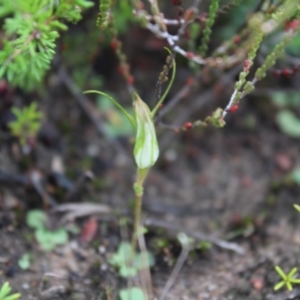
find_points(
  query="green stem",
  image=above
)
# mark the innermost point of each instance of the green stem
(123, 110)
(137, 220)
(139, 191)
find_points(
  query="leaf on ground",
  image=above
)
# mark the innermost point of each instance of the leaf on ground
(288, 123)
(132, 294)
(36, 219)
(24, 261)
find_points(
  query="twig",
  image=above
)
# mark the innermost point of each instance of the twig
(79, 184)
(195, 234)
(175, 272)
(53, 289)
(33, 179)
(79, 210)
(174, 101)
(9, 178)
(197, 103)
(36, 178)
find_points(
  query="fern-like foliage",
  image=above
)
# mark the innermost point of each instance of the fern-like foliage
(31, 28)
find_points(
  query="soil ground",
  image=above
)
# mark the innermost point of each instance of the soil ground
(225, 183)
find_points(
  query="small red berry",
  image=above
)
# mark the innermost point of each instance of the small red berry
(247, 65)
(233, 108)
(188, 125)
(286, 72)
(291, 25)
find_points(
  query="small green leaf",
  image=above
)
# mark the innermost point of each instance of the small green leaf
(280, 272)
(128, 261)
(24, 261)
(12, 297)
(123, 255)
(288, 123)
(292, 272)
(284, 99)
(50, 239)
(4, 293)
(216, 118)
(144, 260)
(5, 290)
(289, 286)
(127, 271)
(132, 294)
(36, 219)
(279, 285)
(123, 259)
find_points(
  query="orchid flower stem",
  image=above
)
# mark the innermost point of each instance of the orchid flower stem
(139, 191)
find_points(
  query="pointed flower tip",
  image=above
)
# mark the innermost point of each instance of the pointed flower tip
(146, 149)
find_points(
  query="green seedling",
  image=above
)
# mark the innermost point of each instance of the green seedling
(133, 293)
(48, 239)
(5, 293)
(27, 123)
(129, 262)
(24, 261)
(287, 279)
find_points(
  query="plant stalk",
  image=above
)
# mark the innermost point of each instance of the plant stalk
(139, 191)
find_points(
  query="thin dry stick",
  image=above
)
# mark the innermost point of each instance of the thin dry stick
(174, 101)
(179, 264)
(195, 234)
(36, 180)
